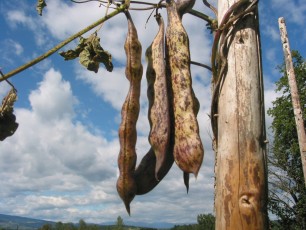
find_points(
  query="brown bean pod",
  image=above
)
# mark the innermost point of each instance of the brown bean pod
(159, 110)
(145, 172)
(196, 108)
(126, 185)
(188, 148)
(183, 7)
(158, 161)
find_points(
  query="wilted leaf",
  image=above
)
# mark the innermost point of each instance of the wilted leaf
(8, 126)
(102, 56)
(40, 5)
(91, 54)
(8, 123)
(8, 102)
(69, 54)
(72, 54)
(86, 59)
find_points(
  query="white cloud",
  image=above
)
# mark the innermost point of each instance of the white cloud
(49, 152)
(57, 169)
(293, 11)
(53, 99)
(111, 87)
(63, 19)
(16, 17)
(19, 17)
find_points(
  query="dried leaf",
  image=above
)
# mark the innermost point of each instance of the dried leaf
(91, 54)
(86, 59)
(8, 123)
(8, 126)
(7, 106)
(69, 54)
(102, 56)
(41, 4)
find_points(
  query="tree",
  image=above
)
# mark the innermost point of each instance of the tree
(206, 221)
(59, 226)
(46, 227)
(70, 226)
(287, 191)
(82, 225)
(119, 223)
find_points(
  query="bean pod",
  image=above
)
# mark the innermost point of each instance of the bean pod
(188, 149)
(158, 161)
(159, 110)
(126, 185)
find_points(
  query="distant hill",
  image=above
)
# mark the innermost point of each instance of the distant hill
(8, 222)
(160, 225)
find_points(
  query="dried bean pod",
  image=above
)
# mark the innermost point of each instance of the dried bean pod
(188, 149)
(196, 108)
(126, 185)
(158, 161)
(145, 172)
(183, 7)
(159, 110)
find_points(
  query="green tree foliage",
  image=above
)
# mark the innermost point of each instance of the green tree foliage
(46, 227)
(119, 224)
(186, 227)
(82, 225)
(59, 226)
(287, 191)
(206, 221)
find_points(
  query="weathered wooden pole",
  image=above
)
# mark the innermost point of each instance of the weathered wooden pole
(241, 184)
(298, 114)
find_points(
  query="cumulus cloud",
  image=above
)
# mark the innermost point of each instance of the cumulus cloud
(64, 19)
(49, 151)
(56, 169)
(53, 99)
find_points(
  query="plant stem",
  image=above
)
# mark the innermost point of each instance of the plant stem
(202, 16)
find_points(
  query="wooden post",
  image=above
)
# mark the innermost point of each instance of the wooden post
(298, 114)
(241, 184)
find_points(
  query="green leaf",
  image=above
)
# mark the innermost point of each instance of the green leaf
(41, 4)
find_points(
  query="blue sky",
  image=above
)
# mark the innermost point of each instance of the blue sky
(61, 164)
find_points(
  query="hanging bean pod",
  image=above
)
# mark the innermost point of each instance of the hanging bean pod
(188, 148)
(158, 161)
(126, 185)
